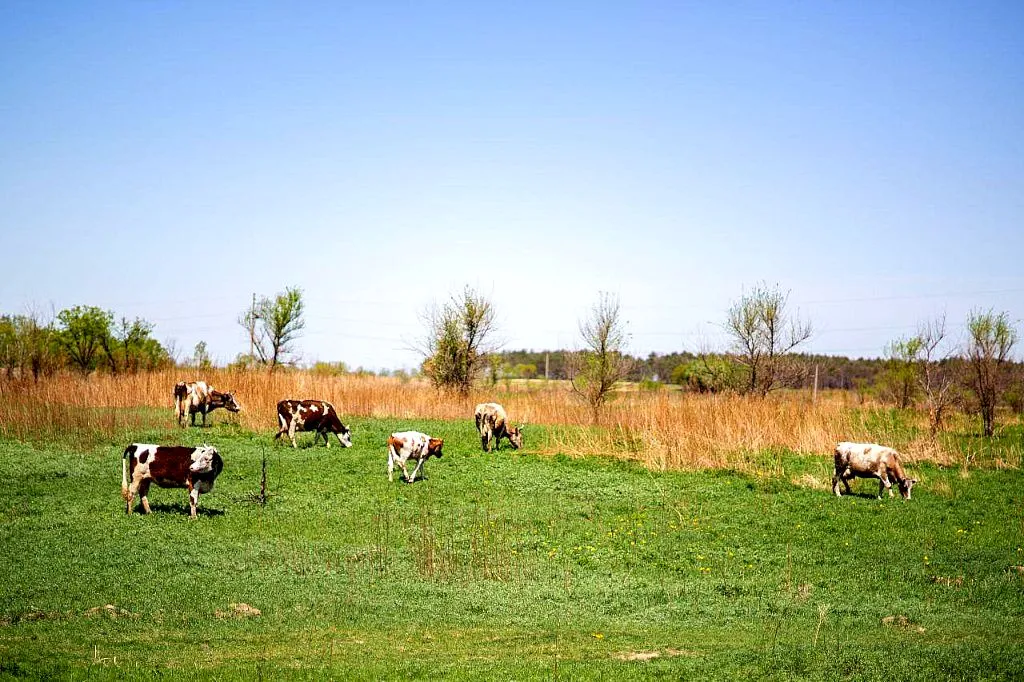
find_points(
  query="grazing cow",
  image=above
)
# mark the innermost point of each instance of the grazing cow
(492, 423)
(168, 466)
(406, 445)
(197, 396)
(867, 460)
(311, 415)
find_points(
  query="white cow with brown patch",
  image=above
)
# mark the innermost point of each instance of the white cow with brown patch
(869, 460)
(199, 397)
(492, 423)
(406, 445)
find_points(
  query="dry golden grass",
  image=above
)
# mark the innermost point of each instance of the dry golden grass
(662, 429)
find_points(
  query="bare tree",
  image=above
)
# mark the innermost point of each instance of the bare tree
(596, 370)
(274, 324)
(458, 340)
(762, 335)
(988, 351)
(934, 372)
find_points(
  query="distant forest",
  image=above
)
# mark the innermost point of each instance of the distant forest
(833, 371)
(886, 378)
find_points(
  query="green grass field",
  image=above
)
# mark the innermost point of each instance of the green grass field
(502, 566)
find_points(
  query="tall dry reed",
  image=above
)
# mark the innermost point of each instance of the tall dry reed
(662, 429)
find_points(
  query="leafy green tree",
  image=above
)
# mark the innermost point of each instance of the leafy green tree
(525, 370)
(84, 331)
(706, 374)
(134, 345)
(900, 376)
(992, 337)
(10, 349)
(274, 324)
(458, 340)
(201, 356)
(329, 369)
(763, 336)
(597, 370)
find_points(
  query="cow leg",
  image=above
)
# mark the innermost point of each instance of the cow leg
(884, 484)
(483, 442)
(144, 494)
(835, 484)
(391, 465)
(327, 440)
(193, 498)
(405, 472)
(291, 434)
(204, 417)
(133, 489)
(417, 469)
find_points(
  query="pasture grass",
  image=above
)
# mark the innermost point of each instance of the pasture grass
(503, 566)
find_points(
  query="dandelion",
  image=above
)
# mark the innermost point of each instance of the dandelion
(598, 635)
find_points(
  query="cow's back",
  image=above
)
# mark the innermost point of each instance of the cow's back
(491, 414)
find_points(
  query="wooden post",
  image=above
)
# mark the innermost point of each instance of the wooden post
(814, 398)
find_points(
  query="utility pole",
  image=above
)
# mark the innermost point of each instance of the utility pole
(546, 358)
(814, 398)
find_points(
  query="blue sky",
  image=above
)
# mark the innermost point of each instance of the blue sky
(168, 160)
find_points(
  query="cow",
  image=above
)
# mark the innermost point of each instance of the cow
(868, 460)
(406, 445)
(169, 466)
(311, 415)
(198, 396)
(492, 423)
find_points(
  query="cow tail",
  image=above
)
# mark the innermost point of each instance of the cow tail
(124, 473)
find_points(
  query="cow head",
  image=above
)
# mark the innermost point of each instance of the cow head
(202, 459)
(345, 436)
(905, 485)
(434, 447)
(230, 404)
(515, 436)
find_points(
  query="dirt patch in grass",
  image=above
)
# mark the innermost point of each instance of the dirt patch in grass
(239, 610)
(650, 655)
(811, 481)
(948, 580)
(109, 610)
(901, 621)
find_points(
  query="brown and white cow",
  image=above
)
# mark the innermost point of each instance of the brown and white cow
(169, 466)
(198, 396)
(492, 423)
(406, 445)
(868, 460)
(311, 415)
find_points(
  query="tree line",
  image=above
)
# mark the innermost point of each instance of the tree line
(459, 350)
(84, 338)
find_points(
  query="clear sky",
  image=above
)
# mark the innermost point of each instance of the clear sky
(168, 160)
